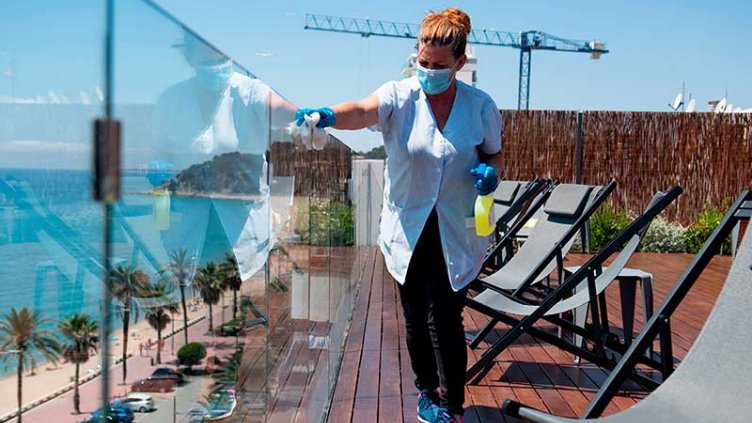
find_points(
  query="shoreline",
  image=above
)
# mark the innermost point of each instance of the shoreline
(217, 196)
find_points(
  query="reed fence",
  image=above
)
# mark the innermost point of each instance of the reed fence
(709, 155)
(323, 173)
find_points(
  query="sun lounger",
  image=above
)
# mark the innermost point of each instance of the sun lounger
(567, 208)
(565, 212)
(584, 287)
(510, 199)
(713, 382)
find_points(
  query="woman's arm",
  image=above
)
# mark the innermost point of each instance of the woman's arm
(283, 112)
(494, 129)
(497, 160)
(358, 114)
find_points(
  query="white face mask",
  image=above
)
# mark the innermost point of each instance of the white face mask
(434, 81)
(215, 77)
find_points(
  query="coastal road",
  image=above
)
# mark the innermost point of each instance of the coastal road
(139, 367)
(173, 407)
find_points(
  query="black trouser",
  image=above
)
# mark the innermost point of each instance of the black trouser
(433, 317)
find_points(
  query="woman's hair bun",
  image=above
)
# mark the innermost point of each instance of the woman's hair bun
(450, 27)
(458, 18)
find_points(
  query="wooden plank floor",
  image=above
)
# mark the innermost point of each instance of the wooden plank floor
(375, 383)
(298, 375)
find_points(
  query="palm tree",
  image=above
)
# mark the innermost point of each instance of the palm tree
(158, 316)
(180, 267)
(209, 283)
(227, 375)
(128, 282)
(22, 334)
(82, 335)
(231, 279)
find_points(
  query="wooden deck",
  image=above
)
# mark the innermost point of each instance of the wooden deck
(286, 378)
(375, 383)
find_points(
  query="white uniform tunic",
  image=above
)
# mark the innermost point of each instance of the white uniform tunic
(427, 169)
(185, 136)
(239, 121)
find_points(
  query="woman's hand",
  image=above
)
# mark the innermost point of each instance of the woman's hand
(486, 178)
(159, 172)
(308, 130)
(327, 116)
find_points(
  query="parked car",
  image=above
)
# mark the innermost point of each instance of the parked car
(108, 419)
(221, 404)
(136, 401)
(124, 414)
(168, 373)
(196, 414)
(154, 384)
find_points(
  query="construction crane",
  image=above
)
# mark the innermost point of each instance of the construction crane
(525, 41)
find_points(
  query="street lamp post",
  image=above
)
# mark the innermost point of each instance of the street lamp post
(172, 337)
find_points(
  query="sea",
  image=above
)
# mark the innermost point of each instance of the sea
(51, 237)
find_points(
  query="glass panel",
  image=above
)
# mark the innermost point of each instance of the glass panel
(195, 216)
(221, 192)
(321, 295)
(51, 67)
(231, 234)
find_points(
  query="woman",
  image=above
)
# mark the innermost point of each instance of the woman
(442, 138)
(217, 118)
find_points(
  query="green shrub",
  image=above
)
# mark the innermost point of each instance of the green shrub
(605, 224)
(191, 354)
(700, 231)
(377, 153)
(664, 237)
(231, 328)
(326, 223)
(577, 244)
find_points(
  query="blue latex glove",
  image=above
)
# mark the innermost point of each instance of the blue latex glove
(328, 117)
(159, 171)
(486, 178)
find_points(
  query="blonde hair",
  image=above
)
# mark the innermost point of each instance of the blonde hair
(450, 27)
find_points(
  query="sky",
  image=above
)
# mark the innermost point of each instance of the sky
(655, 46)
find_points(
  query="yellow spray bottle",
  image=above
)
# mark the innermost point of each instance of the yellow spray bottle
(161, 210)
(485, 220)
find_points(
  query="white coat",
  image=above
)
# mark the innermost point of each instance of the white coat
(427, 168)
(185, 136)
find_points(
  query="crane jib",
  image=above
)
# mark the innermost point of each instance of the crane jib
(525, 41)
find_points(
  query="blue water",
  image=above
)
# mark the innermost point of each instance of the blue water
(51, 238)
